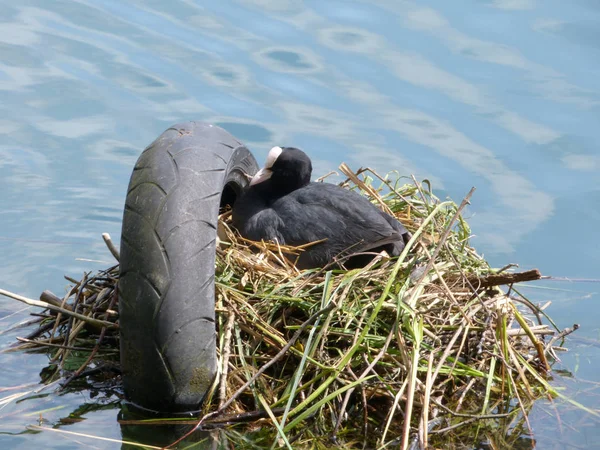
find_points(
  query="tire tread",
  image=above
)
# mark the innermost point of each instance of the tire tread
(166, 285)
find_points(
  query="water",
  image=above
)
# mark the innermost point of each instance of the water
(500, 94)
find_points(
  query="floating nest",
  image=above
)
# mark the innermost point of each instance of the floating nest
(423, 350)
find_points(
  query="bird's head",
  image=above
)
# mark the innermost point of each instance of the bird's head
(287, 168)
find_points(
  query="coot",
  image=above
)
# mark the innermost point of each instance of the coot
(282, 204)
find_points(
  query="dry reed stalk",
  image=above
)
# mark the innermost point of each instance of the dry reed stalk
(406, 344)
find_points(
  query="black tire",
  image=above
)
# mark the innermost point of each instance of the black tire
(166, 284)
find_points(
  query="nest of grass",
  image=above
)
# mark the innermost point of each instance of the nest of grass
(424, 349)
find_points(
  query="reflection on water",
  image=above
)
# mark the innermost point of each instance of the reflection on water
(288, 60)
(251, 132)
(500, 94)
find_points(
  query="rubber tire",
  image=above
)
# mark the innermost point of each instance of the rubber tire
(166, 283)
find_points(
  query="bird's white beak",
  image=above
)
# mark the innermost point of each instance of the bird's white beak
(262, 175)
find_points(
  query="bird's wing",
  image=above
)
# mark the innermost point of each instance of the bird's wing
(263, 225)
(345, 216)
(401, 229)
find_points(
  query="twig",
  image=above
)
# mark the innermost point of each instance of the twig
(226, 355)
(508, 266)
(74, 306)
(59, 316)
(471, 416)
(40, 330)
(322, 177)
(111, 247)
(561, 335)
(49, 344)
(49, 297)
(498, 279)
(41, 304)
(426, 400)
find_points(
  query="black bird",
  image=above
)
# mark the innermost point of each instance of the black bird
(281, 204)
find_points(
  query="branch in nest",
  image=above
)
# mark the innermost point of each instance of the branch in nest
(504, 278)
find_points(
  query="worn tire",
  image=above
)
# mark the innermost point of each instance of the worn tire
(166, 283)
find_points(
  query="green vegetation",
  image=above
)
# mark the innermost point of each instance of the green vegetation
(424, 348)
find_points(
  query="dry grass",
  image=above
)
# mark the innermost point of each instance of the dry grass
(422, 348)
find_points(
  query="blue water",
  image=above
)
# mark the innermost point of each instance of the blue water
(503, 95)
